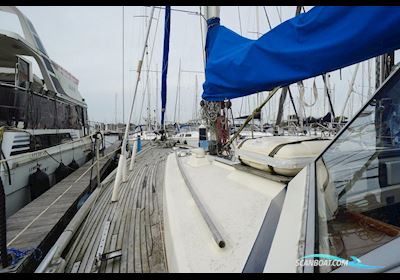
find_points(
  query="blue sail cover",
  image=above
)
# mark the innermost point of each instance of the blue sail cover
(321, 40)
(167, 28)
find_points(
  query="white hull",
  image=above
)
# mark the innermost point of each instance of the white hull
(189, 138)
(23, 165)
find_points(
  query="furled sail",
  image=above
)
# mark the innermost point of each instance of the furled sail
(167, 28)
(322, 40)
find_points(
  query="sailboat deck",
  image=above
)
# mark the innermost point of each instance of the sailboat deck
(129, 231)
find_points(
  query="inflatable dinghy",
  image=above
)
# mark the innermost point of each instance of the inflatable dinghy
(283, 155)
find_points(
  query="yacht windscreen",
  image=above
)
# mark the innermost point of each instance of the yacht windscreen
(358, 180)
(10, 22)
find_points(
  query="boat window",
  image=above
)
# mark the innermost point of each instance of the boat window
(188, 135)
(48, 65)
(358, 180)
(57, 85)
(31, 26)
(23, 73)
(40, 45)
(43, 141)
(10, 22)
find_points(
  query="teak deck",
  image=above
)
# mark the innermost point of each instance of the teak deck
(129, 232)
(50, 219)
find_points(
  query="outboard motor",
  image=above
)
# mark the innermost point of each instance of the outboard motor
(61, 172)
(38, 183)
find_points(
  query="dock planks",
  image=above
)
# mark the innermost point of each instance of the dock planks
(41, 223)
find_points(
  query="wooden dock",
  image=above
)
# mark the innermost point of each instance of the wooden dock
(129, 232)
(38, 224)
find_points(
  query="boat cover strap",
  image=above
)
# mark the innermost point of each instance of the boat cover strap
(280, 146)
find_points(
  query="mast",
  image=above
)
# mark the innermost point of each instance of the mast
(258, 36)
(148, 95)
(327, 90)
(210, 13)
(349, 91)
(123, 64)
(177, 92)
(115, 112)
(369, 78)
(147, 83)
(384, 65)
(121, 170)
(286, 89)
(195, 99)
(156, 112)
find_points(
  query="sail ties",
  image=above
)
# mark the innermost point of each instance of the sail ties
(314, 92)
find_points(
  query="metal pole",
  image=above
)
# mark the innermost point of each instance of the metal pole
(214, 231)
(122, 162)
(349, 92)
(292, 101)
(196, 102)
(325, 77)
(98, 158)
(123, 64)
(133, 155)
(123, 148)
(3, 227)
(156, 113)
(249, 118)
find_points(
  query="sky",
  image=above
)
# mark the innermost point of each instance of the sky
(88, 42)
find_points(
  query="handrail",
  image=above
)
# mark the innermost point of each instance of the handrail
(43, 150)
(211, 225)
(12, 86)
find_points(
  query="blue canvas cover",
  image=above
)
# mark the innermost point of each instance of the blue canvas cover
(322, 40)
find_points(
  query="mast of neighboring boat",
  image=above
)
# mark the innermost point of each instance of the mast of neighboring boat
(195, 99)
(123, 64)
(121, 171)
(115, 114)
(287, 88)
(327, 90)
(369, 78)
(350, 90)
(177, 97)
(383, 66)
(156, 112)
(147, 83)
